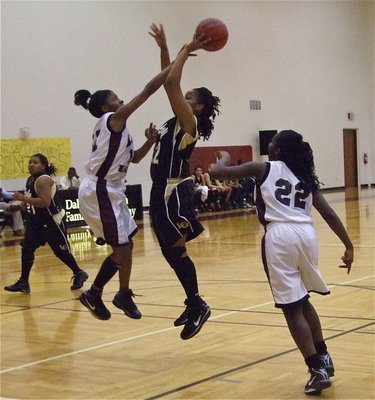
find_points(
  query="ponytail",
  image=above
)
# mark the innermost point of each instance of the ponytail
(92, 102)
(50, 169)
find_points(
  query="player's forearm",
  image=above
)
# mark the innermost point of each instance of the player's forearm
(338, 228)
(37, 202)
(175, 73)
(157, 81)
(140, 153)
(165, 59)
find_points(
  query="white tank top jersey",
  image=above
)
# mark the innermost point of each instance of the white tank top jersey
(111, 152)
(281, 197)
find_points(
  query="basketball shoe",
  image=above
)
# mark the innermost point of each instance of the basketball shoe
(318, 381)
(183, 318)
(94, 303)
(123, 300)
(327, 364)
(20, 286)
(197, 316)
(79, 279)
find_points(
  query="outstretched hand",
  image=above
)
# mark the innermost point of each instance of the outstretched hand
(157, 32)
(151, 133)
(198, 42)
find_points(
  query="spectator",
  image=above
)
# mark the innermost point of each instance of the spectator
(219, 192)
(200, 189)
(248, 185)
(12, 208)
(213, 191)
(236, 197)
(71, 181)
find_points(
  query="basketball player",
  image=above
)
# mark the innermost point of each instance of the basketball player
(287, 188)
(171, 201)
(43, 224)
(101, 194)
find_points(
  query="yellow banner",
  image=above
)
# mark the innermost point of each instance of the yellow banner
(15, 155)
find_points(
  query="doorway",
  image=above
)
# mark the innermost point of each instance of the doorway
(350, 158)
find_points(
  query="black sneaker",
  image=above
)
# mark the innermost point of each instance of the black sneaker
(197, 316)
(327, 364)
(183, 318)
(20, 286)
(318, 381)
(124, 301)
(95, 305)
(78, 280)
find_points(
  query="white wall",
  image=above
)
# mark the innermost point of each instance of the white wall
(310, 63)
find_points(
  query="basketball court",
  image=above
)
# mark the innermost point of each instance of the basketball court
(52, 348)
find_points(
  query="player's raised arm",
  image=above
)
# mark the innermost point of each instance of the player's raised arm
(223, 170)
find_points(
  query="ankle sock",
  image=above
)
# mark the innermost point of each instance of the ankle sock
(321, 347)
(313, 361)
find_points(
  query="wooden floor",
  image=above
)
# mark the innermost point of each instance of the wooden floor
(52, 348)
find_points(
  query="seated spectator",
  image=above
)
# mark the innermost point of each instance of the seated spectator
(200, 190)
(248, 185)
(226, 193)
(71, 181)
(218, 192)
(237, 196)
(12, 208)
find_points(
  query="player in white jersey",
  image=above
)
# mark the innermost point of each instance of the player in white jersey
(287, 188)
(102, 192)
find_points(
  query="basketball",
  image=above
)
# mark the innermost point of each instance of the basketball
(214, 29)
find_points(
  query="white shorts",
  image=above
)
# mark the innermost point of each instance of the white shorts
(291, 256)
(103, 206)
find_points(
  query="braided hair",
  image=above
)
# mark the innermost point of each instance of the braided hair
(298, 156)
(92, 102)
(207, 116)
(50, 169)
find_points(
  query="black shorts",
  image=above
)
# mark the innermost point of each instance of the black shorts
(39, 232)
(172, 212)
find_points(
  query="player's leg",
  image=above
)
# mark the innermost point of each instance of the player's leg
(197, 311)
(55, 235)
(123, 257)
(302, 335)
(174, 222)
(32, 240)
(92, 298)
(281, 255)
(313, 280)
(313, 320)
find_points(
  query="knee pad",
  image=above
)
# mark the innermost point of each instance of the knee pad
(173, 255)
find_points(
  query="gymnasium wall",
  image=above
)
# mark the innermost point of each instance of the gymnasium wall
(309, 64)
